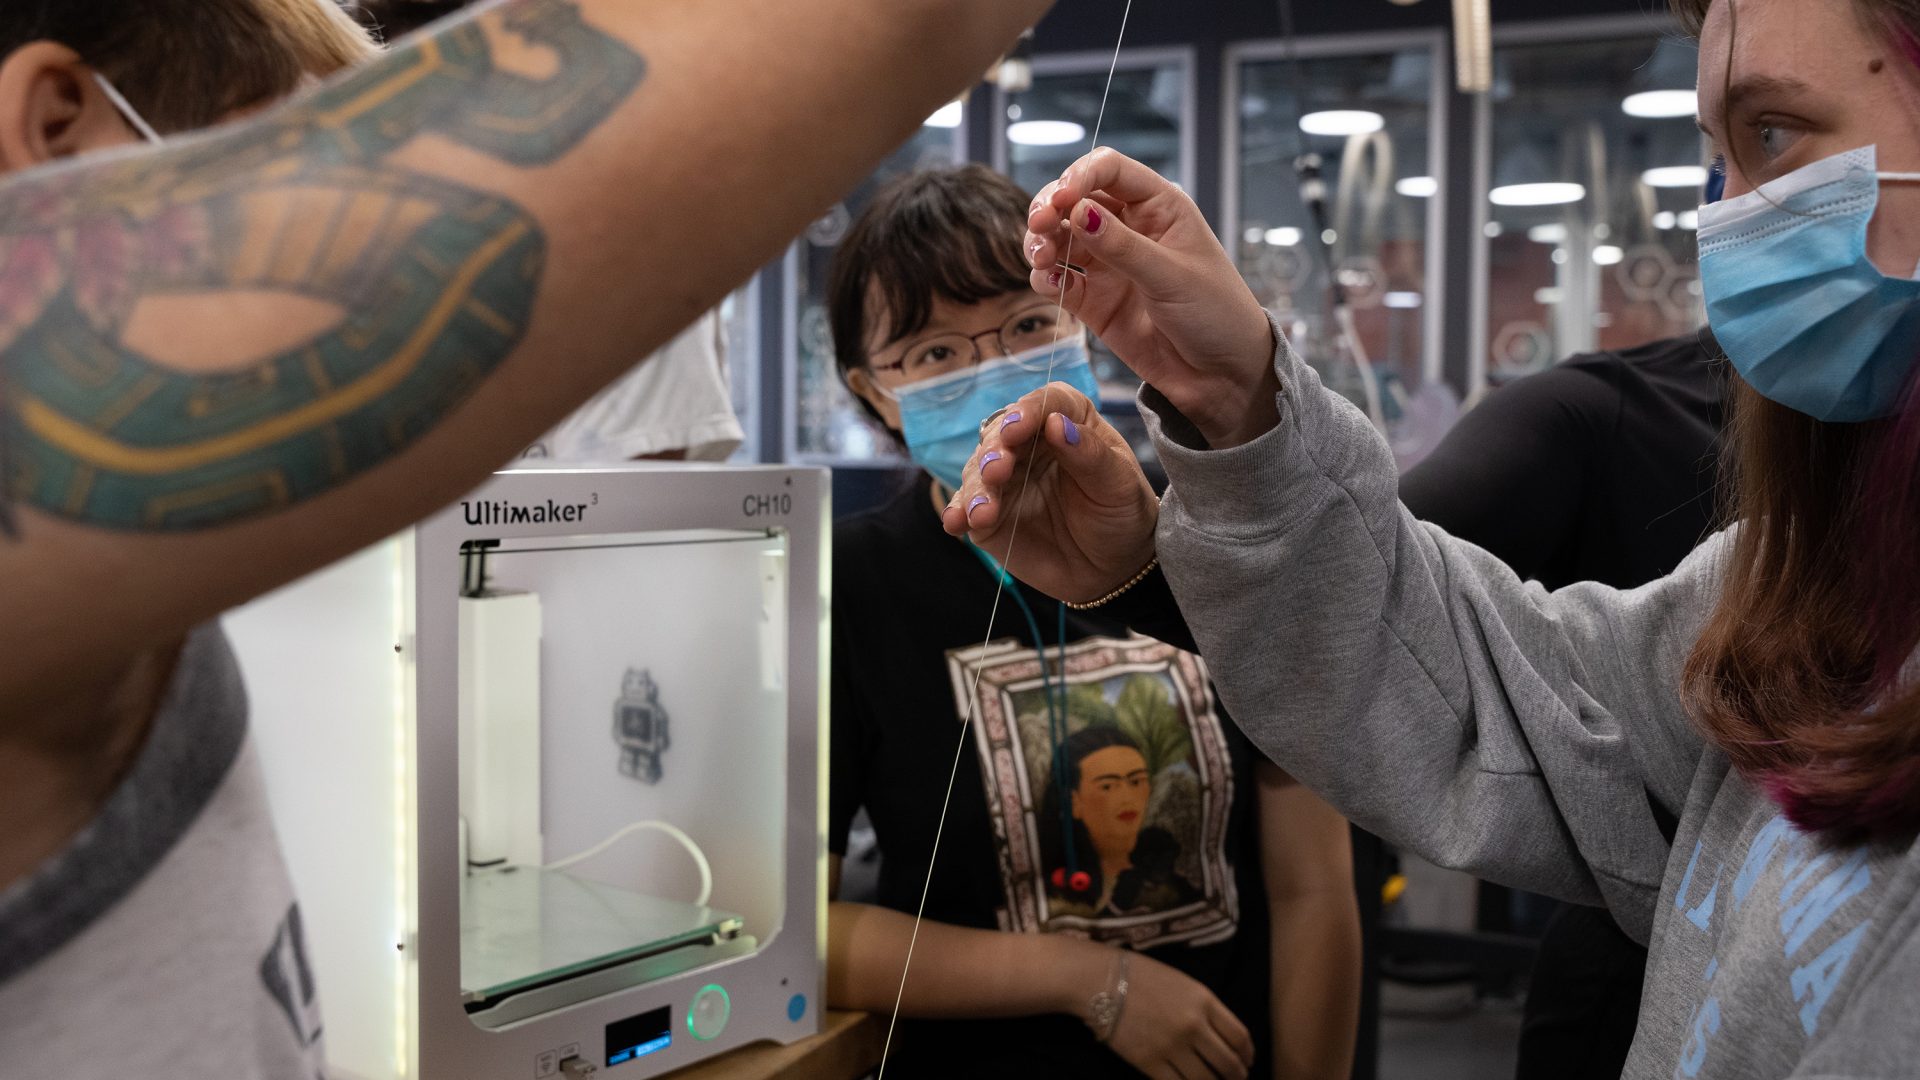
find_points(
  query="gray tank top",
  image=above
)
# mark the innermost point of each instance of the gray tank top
(165, 940)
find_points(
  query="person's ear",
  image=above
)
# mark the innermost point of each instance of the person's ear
(51, 108)
(860, 381)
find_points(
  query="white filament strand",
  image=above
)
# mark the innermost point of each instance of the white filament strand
(1013, 535)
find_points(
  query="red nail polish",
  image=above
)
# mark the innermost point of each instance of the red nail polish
(1053, 280)
(1093, 221)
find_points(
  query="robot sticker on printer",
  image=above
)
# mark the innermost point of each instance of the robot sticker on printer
(640, 727)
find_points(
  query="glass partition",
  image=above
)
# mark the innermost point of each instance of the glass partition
(1370, 117)
(1049, 126)
(1149, 117)
(829, 423)
(1597, 171)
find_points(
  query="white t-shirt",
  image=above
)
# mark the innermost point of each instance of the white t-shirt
(677, 399)
(165, 941)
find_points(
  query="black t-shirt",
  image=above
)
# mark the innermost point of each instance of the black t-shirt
(1601, 469)
(1162, 789)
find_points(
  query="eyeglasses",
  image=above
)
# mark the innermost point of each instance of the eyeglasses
(1027, 330)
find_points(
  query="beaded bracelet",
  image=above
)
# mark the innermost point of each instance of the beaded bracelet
(1117, 593)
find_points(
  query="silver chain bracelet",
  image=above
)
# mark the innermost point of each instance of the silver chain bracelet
(1106, 1006)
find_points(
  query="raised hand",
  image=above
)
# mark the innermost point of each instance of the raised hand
(1085, 512)
(1143, 270)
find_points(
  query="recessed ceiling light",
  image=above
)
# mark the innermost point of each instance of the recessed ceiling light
(1665, 219)
(1342, 122)
(1403, 300)
(1676, 176)
(1537, 194)
(946, 116)
(1418, 187)
(1661, 104)
(1045, 132)
(1283, 237)
(1607, 255)
(1548, 234)
(1688, 220)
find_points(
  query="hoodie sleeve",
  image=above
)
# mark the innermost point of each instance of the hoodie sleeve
(1411, 678)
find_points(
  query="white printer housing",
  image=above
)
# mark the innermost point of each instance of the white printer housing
(430, 745)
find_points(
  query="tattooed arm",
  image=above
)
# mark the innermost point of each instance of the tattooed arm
(227, 362)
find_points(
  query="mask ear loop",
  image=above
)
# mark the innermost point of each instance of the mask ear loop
(127, 112)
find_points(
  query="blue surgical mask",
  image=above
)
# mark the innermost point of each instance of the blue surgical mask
(943, 429)
(1804, 315)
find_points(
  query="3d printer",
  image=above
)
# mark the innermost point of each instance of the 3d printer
(548, 773)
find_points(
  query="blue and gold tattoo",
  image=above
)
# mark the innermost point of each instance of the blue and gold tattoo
(436, 282)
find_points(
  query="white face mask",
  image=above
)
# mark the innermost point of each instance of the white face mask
(127, 111)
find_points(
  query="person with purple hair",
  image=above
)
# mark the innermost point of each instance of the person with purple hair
(1766, 694)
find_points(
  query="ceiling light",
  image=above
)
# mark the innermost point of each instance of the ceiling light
(1418, 187)
(1493, 229)
(1661, 104)
(1403, 300)
(1665, 219)
(1283, 237)
(1607, 255)
(1045, 132)
(1548, 297)
(1255, 234)
(1329, 237)
(1676, 176)
(1559, 256)
(1342, 122)
(1548, 234)
(946, 116)
(1688, 220)
(1550, 194)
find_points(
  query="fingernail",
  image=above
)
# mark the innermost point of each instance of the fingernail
(1093, 222)
(992, 456)
(978, 502)
(1010, 418)
(1053, 280)
(1072, 430)
(1033, 250)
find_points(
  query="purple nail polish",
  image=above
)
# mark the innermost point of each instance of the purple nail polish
(992, 456)
(978, 502)
(1010, 418)
(1053, 280)
(1072, 430)
(1093, 222)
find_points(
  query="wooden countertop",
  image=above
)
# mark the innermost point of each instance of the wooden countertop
(847, 1048)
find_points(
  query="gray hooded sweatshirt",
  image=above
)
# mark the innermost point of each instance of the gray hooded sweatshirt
(1516, 733)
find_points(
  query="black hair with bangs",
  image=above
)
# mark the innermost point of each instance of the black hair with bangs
(951, 234)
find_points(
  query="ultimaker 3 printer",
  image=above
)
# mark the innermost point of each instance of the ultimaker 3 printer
(548, 773)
